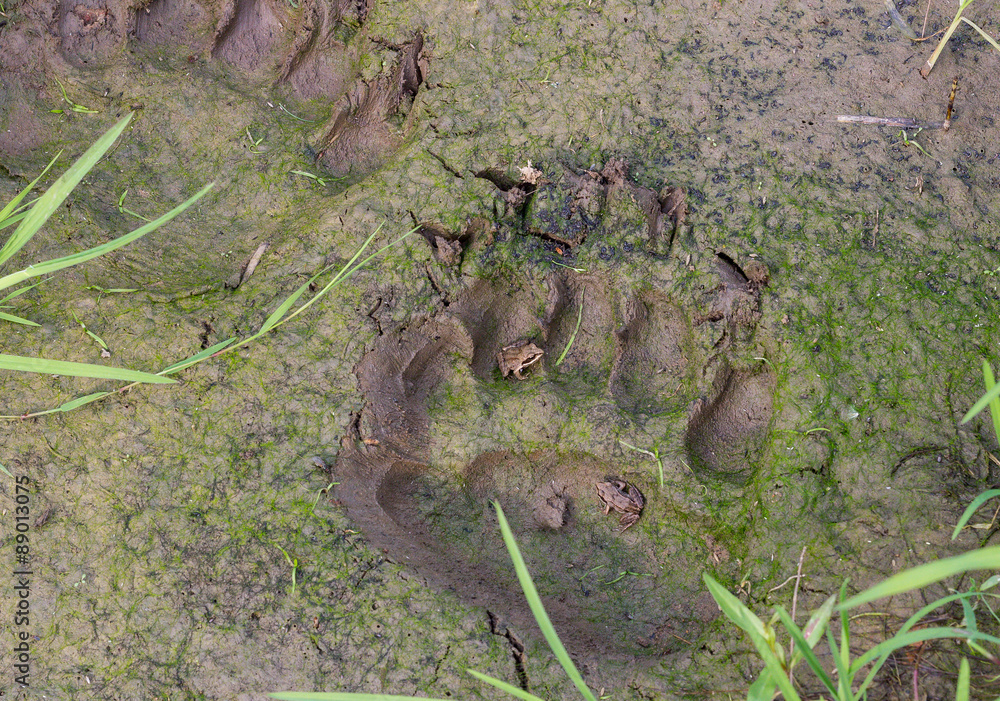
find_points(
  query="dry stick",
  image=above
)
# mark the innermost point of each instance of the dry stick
(923, 29)
(951, 104)
(895, 122)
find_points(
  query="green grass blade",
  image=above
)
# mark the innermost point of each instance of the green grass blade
(343, 271)
(196, 358)
(962, 690)
(17, 319)
(923, 575)
(11, 207)
(537, 609)
(51, 266)
(734, 609)
(971, 509)
(4, 470)
(63, 367)
(20, 291)
(838, 662)
(60, 189)
(983, 34)
(283, 308)
(804, 647)
(341, 696)
(11, 221)
(280, 315)
(80, 401)
(514, 691)
(886, 648)
(569, 344)
(988, 399)
(994, 403)
(739, 614)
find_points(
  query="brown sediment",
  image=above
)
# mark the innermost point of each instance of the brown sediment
(362, 137)
(637, 354)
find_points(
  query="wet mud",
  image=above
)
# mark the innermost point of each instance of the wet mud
(767, 321)
(613, 358)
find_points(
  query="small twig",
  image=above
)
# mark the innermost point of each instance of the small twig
(951, 104)
(900, 122)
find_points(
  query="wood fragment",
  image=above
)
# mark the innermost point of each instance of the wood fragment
(895, 122)
(252, 263)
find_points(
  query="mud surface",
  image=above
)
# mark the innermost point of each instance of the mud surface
(767, 321)
(415, 474)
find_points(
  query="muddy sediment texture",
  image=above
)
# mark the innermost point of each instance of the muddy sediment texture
(631, 357)
(168, 519)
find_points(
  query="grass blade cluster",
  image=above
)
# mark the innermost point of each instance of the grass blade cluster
(929, 66)
(846, 684)
(56, 264)
(29, 222)
(282, 315)
(60, 190)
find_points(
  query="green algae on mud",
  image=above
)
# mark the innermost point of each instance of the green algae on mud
(877, 285)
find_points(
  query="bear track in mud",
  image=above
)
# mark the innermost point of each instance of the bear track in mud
(443, 433)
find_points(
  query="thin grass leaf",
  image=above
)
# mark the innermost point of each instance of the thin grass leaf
(923, 575)
(6, 471)
(358, 253)
(929, 66)
(972, 508)
(20, 291)
(11, 221)
(63, 367)
(341, 696)
(569, 344)
(10, 207)
(514, 691)
(962, 690)
(17, 319)
(345, 272)
(80, 401)
(983, 34)
(739, 614)
(804, 646)
(842, 679)
(992, 393)
(994, 403)
(196, 358)
(537, 609)
(60, 189)
(51, 266)
(886, 648)
(283, 308)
